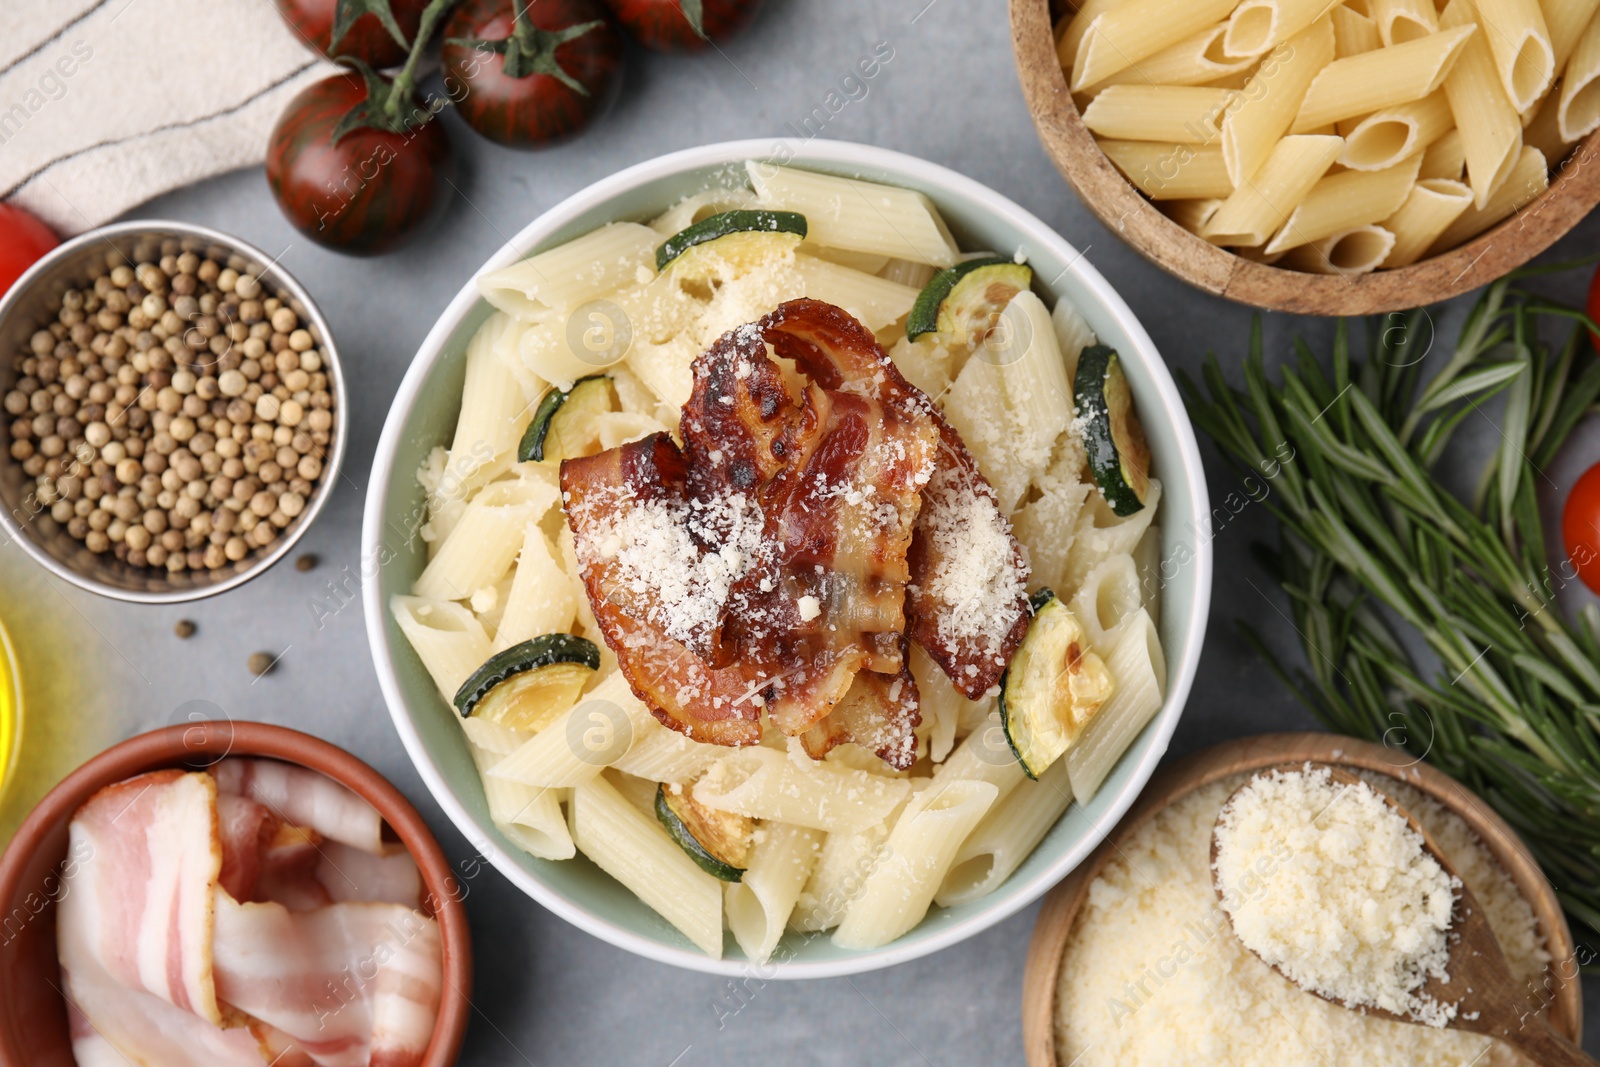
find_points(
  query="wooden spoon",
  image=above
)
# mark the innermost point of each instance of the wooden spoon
(1478, 979)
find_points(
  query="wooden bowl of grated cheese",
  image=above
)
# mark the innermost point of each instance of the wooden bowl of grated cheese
(1089, 977)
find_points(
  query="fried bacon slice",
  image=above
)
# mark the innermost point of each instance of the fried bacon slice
(880, 713)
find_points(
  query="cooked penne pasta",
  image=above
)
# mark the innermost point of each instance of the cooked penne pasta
(764, 783)
(1197, 60)
(541, 600)
(1367, 82)
(1258, 208)
(840, 874)
(1147, 561)
(1171, 171)
(1259, 25)
(920, 848)
(1385, 137)
(493, 409)
(1431, 206)
(1007, 835)
(482, 545)
(1110, 595)
(1344, 201)
(447, 638)
(1399, 21)
(760, 903)
(1128, 32)
(856, 215)
(542, 286)
(1353, 33)
(1579, 111)
(1526, 183)
(530, 816)
(1137, 663)
(1491, 129)
(1358, 250)
(1520, 43)
(663, 755)
(633, 848)
(1171, 113)
(1270, 101)
(1099, 533)
(877, 302)
(943, 705)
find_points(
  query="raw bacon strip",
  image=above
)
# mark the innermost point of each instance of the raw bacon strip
(879, 713)
(305, 797)
(140, 910)
(627, 508)
(290, 859)
(123, 1026)
(350, 984)
(242, 826)
(352, 874)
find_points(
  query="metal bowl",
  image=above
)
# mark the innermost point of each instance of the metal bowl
(31, 303)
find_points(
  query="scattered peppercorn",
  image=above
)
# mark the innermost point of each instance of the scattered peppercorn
(185, 628)
(306, 562)
(175, 414)
(261, 662)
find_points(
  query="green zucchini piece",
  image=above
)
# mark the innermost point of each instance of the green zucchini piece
(1119, 456)
(1052, 688)
(726, 224)
(718, 841)
(544, 439)
(962, 302)
(528, 685)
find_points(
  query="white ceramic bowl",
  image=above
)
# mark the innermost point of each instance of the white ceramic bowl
(424, 415)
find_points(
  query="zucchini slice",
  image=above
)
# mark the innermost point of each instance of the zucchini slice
(1053, 686)
(729, 224)
(553, 434)
(1119, 456)
(528, 685)
(963, 302)
(718, 841)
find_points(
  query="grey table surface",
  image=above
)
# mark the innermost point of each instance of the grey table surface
(546, 993)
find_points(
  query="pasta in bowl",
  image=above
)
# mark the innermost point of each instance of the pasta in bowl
(716, 542)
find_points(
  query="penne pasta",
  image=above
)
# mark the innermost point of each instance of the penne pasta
(664, 755)
(1270, 101)
(1137, 663)
(760, 903)
(907, 273)
(1399, 21)
(446, 637)
(1197, 60)
(1171, 171)
(843, 865)
(1100, 533)
(1259, 25)
(1147, 560)
(542, 286)
(1344, 201)
(1544, 132)
(1578, 113)
(541, 600)
(1519, 39)
(1358, 250)
(1075, 28)
(858, 216)
(1129, 32)
(1260, 207)
(1527, 182)
(483, 543)
(1171, 113)
(1385, 137)
(921, 847)
(531, 817)
(943, 705)
(1354, 33)
(1491, 129)
(633, 848)
(1192, 215)
(1007, 835)
(983, 756)
(877, 302)
(1362, 84)
(764, 783)
(493, 409)
(1432, 205)
(1444, 158)
(1566, 20)
(1110, 595)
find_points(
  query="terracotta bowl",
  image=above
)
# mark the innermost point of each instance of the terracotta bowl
(1564, 996)
(1070, 145)
(33, 1016)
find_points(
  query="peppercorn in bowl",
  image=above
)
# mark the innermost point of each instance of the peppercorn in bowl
(173, 412)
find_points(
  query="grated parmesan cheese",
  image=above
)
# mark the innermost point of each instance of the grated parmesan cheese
(977, 577)
(1331, 885)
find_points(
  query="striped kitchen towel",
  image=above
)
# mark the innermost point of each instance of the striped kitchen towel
(107, 103)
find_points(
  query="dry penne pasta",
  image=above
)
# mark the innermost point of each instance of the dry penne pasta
(1130, 31)
(1358, 250)
(1171, 113)
(1353, 33)
(1566, 20)
(1344, 201)
(1520, 42)
(1197, 60)
(1259, 25)
(1383, 78)
(1444, 158)
(1171, 171)
(1389, 135)
(1528, 180)
(1431, 206)
(1399, 21)
(1259, 208)
(1271, 99)
(1579, 111)
(1491, 129)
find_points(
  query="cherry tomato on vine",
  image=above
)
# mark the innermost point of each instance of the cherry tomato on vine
(350, 185)
(23, 240)
(377, 32)
(528, 72)
(682, 25)
(1580, 527)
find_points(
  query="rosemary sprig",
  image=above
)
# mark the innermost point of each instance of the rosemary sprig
(1370, 536)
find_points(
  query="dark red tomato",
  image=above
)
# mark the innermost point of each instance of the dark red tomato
(1580, 527)
(1594, 306)
(528, 85)
(23, 240)
(682, 25)
(363, 195)
(366, 39)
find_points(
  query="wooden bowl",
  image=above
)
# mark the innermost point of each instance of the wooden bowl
(1119, 205)
(33, 1016)
(1054, 924)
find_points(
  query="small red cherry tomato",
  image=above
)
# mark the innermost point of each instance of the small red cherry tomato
(365, 194)
(528, 81)
(366, 38)
(682, 25)
(1580, 527)
(23, 240)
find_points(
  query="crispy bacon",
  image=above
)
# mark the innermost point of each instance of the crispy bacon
(880, 713)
